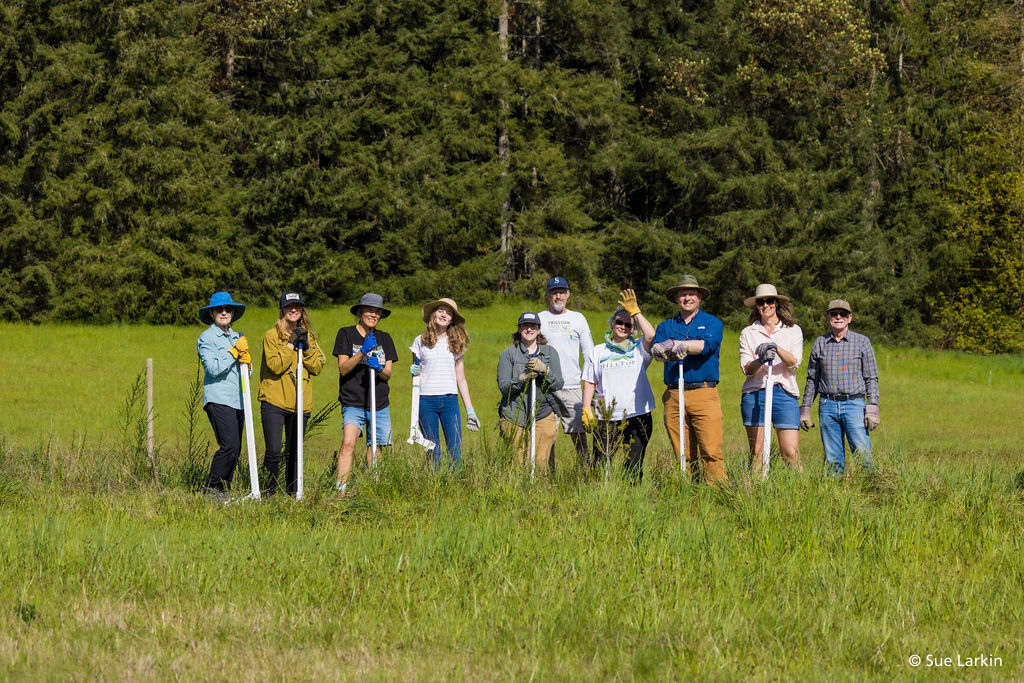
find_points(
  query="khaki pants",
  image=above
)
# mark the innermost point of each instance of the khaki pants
(703, 431)
(517, 440)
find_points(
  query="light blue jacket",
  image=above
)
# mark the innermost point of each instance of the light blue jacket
(223, 380)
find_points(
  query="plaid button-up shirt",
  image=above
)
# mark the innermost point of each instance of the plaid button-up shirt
(842, 366)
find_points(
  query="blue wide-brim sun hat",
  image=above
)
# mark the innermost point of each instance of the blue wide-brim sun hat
(220, 299)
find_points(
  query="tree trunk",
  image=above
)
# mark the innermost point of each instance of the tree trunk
(508, 274)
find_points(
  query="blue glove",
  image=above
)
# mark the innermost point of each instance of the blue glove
(368, 344)
(414, 369)
(374, 363)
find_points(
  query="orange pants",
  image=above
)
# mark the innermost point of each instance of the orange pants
(517, 440)
(703, 431)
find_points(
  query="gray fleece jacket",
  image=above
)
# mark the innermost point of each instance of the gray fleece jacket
(515, 393)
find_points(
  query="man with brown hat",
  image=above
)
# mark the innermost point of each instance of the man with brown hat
(693, 338)
(843, 372)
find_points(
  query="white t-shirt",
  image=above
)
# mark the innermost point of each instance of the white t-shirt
(622, 377)
(437, 367)
(568, 334)
(789, 338)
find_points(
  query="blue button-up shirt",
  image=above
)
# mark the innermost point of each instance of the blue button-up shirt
(223, 381)
(702, 367)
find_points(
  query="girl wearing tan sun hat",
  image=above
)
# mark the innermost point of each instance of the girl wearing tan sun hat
(771, 337)
(437, 359)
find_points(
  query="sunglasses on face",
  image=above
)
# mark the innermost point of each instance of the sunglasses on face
(838, 314)
(222, 309)
(765, 302)
(628, 324)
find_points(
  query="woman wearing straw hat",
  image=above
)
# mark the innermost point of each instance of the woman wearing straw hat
(221, 351)
(278, 389)
(437, 359)
(771, 337)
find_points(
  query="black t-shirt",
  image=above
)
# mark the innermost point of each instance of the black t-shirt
(354, 388)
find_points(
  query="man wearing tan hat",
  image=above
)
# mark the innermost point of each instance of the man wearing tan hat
(843, 373)
(693, 338)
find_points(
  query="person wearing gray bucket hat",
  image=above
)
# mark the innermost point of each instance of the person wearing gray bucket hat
(222, 351)
(773, 338)
(569, 335)
(437, 360)
(278, 392)
(693, 339)
(843, 374)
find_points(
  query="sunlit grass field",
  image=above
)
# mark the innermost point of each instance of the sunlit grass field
(107, 572)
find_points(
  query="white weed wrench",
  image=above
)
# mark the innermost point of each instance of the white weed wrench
(415, 435)
(373, 420)
(299, 403)
(533, 426)
(682, 422)
(766, 444)
(250, 437)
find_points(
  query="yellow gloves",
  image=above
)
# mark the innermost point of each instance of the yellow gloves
(589, 420)
(240, 351)
(627, 299)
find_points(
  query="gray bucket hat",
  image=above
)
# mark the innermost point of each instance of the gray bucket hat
(686, 282)
(370, 300)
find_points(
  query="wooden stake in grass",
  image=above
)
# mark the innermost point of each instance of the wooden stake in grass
(149, 414)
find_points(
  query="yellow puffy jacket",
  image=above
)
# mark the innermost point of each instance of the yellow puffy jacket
(277, 372)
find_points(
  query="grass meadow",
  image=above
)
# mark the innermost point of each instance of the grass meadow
(110, 572)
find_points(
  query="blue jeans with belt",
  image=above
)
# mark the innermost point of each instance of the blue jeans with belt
(442, 410)
(840, 419)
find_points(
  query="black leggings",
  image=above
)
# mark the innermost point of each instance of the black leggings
(227, 425)
(633, 434)
(274, 420)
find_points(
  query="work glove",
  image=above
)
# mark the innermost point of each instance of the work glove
(374, 363)
(527, 376)
(472, 421)
(663, 350)
(589, 419)
(872, 417)
(805, 419)
(245, 358)
(679, 349)
(369, 344)
(537, 366)
(299, 337)
(627, 299)
(414, 369)
(766, 353)
(241, 346)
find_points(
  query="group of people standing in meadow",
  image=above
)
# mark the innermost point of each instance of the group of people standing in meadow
(551, 375)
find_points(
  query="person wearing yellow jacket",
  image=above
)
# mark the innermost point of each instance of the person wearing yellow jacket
(278, 393)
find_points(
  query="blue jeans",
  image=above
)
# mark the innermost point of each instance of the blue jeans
(838, 419)
(443, 410)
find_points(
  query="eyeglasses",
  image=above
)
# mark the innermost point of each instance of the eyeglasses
(838, 314)
(222, 309)
(628, 324)
(765, 302)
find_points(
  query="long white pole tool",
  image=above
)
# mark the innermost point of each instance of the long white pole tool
(766, 443)
(373, 419)
(533, 427)
(299, 423)
(415, 435)
(250, 437)
(682, 422)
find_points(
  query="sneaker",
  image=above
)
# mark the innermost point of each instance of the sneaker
(215, 494)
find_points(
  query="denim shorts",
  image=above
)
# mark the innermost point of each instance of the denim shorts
(785, 409)
(351, 415)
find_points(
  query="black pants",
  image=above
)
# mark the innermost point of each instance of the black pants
(633, 434)
(227, 425)
(274, 419)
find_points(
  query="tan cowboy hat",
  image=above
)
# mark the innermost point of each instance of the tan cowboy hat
(687, 282)
(428, 310)
(764, 292)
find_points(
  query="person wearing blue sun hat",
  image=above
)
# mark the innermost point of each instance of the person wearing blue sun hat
(221, 351)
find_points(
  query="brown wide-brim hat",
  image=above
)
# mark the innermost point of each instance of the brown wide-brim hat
(764, 292)
(686, 282)
(428, 310)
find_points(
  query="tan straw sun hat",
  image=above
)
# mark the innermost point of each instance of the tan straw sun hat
(764, 292)
(428, 310)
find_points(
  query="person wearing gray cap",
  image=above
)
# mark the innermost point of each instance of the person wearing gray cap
(569, 335)
(843, 374)
(359, 348)
(529, 358)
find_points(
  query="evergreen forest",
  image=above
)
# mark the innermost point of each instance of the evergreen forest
(154, 151)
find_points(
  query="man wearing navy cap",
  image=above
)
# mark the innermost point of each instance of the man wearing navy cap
(568, 334)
